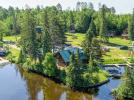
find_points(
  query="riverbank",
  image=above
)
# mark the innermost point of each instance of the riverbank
(3, 61)
(35, 86)
(101, 77)
(13, 56)
(80, 88)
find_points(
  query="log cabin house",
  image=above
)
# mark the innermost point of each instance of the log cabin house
(63, 57)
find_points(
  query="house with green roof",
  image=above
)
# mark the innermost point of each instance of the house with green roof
(63, 57)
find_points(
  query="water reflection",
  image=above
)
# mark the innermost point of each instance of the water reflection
(29, 86)
(50, 90)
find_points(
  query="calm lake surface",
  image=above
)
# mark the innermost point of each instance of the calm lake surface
(17, 84)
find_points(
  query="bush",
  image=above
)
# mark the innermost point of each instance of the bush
(28, 64)
(49, 64)
(131, 60)
(69, 76)
(11, 58)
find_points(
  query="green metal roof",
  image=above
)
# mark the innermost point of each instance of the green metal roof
(65, 55)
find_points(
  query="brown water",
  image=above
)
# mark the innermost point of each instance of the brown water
(17, 84)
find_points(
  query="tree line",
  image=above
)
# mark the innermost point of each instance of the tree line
(77, 19)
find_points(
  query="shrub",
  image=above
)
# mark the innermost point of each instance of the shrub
(69, 76)
(131, 60)
(49, 64)
(28, 64)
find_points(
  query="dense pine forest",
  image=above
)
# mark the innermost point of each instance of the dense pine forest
(79, 19)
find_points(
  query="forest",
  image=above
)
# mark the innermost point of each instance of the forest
(42, 32)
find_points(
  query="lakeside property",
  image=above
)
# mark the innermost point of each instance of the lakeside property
(83, 50)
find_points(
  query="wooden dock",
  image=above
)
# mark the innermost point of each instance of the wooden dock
(131, 65)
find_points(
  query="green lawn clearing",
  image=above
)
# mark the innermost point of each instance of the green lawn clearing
(12, 38)
(75, 39)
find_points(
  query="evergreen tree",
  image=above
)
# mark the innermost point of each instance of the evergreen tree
(2, 30)
(88, 39)
(91, 47)
(74, 72)
(131, 27)
(47, 46)
(70, 72)
(46, 43)
(59, 7)
(50, 65)
(126, 89)
(28, 39)
(57, 33)
(103, 25)
(45, 20)
(22, 57)
(77, 58)
(14, 20)
(71, 21)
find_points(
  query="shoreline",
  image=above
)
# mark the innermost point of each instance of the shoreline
(3, 61)
(83, 89)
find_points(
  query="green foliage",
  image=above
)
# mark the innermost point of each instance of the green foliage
(69, 77)
(22, 57)
(76, 19)
(83, 19)
(131, 59)
(131, 27)
(62, 75)
(3, 28)
(126, 89)
(10, 57)
(73, 78)
(13, 55)
(103, 25)
(49, 63)
(28, 64)
(83, 76)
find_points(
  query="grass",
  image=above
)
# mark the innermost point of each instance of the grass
(95, 77)
(119, 41)
(14, 38)
(115, 56)
(101, 75)
(75, 39)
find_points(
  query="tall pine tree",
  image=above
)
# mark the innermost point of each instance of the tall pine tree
(131, 27)
(103, 25)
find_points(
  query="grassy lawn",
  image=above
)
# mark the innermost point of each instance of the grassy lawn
(119, 41)
(12, 38)
(115, 56)
(75, 39)
(101, 75)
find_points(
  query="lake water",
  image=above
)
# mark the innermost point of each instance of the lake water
(17, 84)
